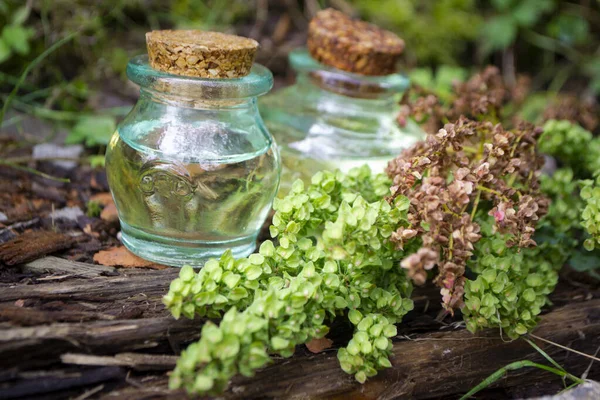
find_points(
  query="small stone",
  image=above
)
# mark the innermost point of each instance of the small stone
(49, 150)
(68, 213)
(3, 217)
(589, 390)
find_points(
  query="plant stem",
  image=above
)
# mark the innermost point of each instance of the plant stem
(33, 171)
(475, 204)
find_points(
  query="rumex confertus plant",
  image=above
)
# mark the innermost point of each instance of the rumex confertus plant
(470, 202)
(331, 256)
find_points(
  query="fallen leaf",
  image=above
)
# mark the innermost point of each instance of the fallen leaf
(102, 198)
(88, 229)
(109, 213)
(121, 257)
(318, 345)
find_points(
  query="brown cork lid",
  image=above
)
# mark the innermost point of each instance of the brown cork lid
(352, 45)
(200, 54)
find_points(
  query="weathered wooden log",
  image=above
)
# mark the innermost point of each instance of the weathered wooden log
(427, 365)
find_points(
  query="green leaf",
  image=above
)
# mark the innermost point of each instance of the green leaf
(279, 343)
(17, 37)
(355, 316)
(502, 5)
(498, 33)
(20, 15)
(97, 161)
(390, 330)
(230, 279)
(92, 130)
(203, 383)
(228, 347)
(253, 272)
(361, 377)
(381, 343)
(569, 29)
(528, 12)
(384, 362)
(585, 262)
(534, 280)
(187, 273)
(422, 77)
(5, 51)
(529, 295)
(238, 293)
(212, 333)
(267, 248)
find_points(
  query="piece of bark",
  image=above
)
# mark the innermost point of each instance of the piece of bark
(121, 257)
(44, 345)
(37, 385)
(33, 245)
(140, 362)
(130, 286)
(56, 264)
(31, 317)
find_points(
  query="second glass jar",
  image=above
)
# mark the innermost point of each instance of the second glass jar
(332, 119)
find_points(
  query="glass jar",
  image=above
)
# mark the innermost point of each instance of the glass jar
(332, 119)
(192, 168)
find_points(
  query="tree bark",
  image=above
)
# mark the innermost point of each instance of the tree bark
(113, 324)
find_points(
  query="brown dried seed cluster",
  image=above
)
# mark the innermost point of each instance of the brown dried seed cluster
(465, 171)
(200, 54)
(351, 45)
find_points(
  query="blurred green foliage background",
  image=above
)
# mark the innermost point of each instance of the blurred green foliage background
(80, 85)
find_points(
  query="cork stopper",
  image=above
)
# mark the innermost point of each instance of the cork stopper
(341, 42)
(200, 54)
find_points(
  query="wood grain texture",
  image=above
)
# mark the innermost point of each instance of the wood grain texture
(111, 323)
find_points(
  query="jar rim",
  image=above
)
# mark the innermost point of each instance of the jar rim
(258, 82)
(301, 60)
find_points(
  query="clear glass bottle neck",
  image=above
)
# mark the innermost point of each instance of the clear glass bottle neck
(383, 89)
(184, 90)
(221, 105)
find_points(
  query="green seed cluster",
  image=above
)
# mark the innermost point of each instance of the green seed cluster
(574, 146)
(370, 347)
(590, 216)
(579, 151)
(511, 285)
(332, 255)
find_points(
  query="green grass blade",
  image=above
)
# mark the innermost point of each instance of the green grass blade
(30, 67)
(512, 367)
(544, 354)
(33, 171)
